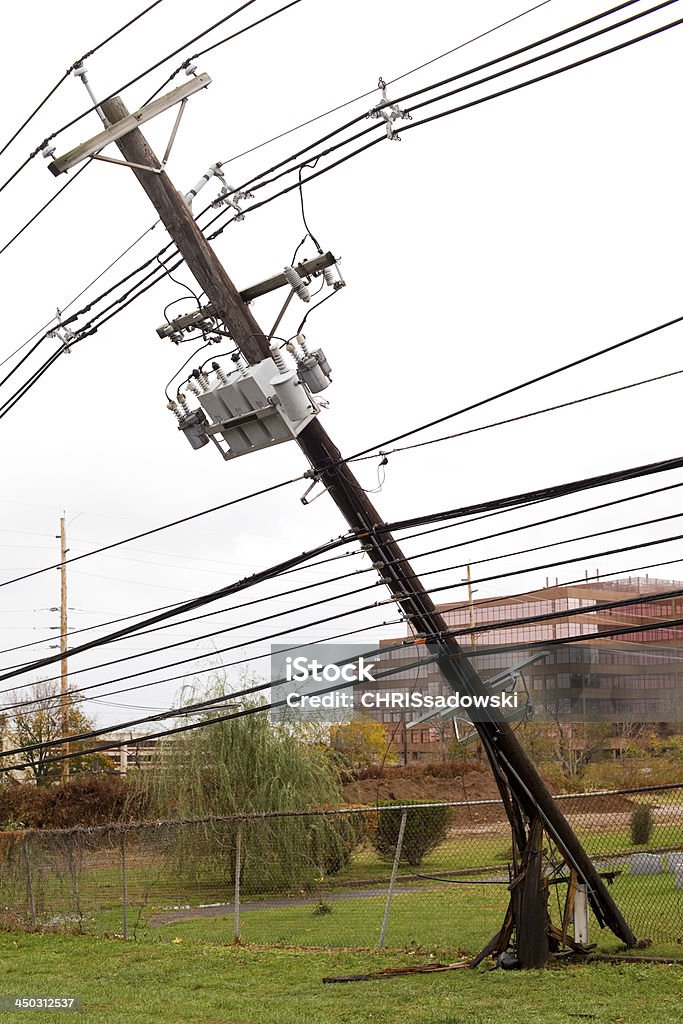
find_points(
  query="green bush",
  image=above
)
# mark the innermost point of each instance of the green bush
(641, 824)
(426, 827)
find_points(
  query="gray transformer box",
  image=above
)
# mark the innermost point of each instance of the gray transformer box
(257, 408)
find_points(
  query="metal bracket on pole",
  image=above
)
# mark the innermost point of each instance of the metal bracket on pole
(190, 320)
(93, 146)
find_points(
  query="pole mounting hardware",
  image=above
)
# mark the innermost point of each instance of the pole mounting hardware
(94, 146)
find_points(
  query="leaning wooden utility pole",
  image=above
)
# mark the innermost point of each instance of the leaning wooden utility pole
(63, 630)
(529, 805)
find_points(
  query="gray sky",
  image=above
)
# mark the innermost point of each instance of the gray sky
(478, 251)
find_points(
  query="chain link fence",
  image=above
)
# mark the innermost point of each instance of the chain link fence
(433, 876)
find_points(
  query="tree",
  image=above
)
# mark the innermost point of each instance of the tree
(241, 766)
(360, 743)
(40, 721)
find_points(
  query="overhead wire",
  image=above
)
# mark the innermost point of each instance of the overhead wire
(17, 670)
(75, 64)
(284, 191)
(581, 580)
(260, 708)
(517, 419)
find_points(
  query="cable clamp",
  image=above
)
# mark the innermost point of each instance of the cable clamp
(389, 112)
(228, 196)
(62, 333)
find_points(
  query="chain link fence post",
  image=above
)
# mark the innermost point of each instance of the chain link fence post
(238, 872)
(392, 880)
(124, 884)
(29, 882)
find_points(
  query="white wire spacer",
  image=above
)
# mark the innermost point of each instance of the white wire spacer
(296, 284)
(389, 112)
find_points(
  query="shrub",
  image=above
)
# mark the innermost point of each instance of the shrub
(83, 800)
(641, 824)
(426, 827)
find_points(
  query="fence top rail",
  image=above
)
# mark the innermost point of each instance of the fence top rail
(118, 827)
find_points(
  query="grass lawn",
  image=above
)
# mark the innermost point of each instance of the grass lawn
(195, 983)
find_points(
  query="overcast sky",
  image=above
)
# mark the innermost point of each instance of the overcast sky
(480, 250)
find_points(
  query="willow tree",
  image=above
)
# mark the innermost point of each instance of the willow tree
(228, 771)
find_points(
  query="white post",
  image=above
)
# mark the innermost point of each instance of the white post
(392, 882)
(238, 872)
(581, 913)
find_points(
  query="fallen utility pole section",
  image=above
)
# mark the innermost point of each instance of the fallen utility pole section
(530, 808)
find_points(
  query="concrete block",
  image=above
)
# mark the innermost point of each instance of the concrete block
(646, 864)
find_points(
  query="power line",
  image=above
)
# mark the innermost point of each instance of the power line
(543, 494)
(398, 437)
(44, 207)
(372, 143)
(256, 182)
(563, 641)
(221, 42)
(189, 605)
(68, 71)
(363, 629)
(517, 419)
(153, 67)
(157, 529)
(22, 669)
(325, 114)
(391, 81)
(469, 71)
(547, 493)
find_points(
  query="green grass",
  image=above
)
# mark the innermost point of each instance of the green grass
(128, 984)
(456, 919)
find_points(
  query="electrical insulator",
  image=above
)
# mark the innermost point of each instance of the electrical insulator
(175, 410)
(329, 277)
(301, 338)
(193, 389)
(278, 358)
(238, 360)
(48, 151)
(294, 352)
(297, 285)
(202, 379)
(220, 373)
(182, 402)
